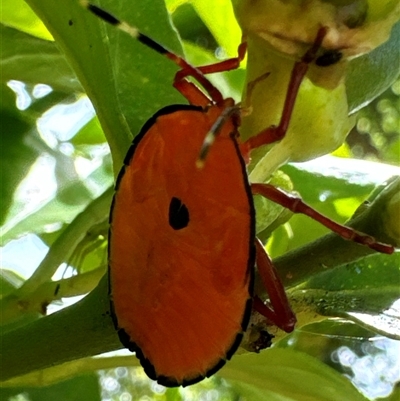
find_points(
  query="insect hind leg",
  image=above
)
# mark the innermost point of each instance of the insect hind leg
(278, 310)
(296, 205)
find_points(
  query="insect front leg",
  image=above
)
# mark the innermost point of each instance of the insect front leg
(198, 73)
(229, 64)
(275, 133)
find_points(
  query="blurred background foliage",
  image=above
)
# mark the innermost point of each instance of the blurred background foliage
(55, 161)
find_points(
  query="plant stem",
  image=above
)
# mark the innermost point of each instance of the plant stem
(81, 330)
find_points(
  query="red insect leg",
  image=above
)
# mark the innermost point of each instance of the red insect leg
(226, 65)
(296, 205)
(194, 94)
(278, 311)
(276, 133)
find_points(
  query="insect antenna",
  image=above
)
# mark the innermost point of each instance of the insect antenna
(186, 68)
(124, 26)
(213, 133)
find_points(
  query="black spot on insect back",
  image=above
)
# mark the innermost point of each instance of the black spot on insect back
(178, 215)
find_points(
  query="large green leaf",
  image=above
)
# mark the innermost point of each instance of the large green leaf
(31, 60)
(115, 70)
(371, 273)
(363, 291)
(369, 75)
(285, 375)
(370, 361)
(72, 197)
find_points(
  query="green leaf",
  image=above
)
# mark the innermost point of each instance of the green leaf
(374, 272)
(371, 74)
(337, 178)
(329, 334)
(16, 156)
(363, 291)
(26, 58)
(115, 70)
(58, 210)
(84, 387)
(370, 361)
(90, 134)
(220, 20)
(18, 14)
(286, 375)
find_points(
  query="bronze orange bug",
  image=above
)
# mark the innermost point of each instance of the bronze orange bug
(182, 243)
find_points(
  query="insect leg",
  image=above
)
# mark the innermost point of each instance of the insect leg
(276, 133)
(296, 205)
(278, 311)
(180, 82)
(226, 65)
